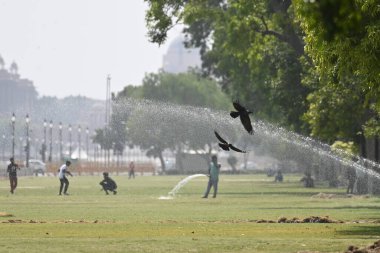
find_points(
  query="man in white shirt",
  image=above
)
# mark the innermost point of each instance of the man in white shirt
(62, 177)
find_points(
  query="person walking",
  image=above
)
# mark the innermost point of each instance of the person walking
(12, 171)
(63, 170)
(213, 172)
(131, 172)
(108, 184)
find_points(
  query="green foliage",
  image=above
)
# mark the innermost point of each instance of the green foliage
(253, 48)
(184, 89)
(344, 44)
(336, 111)
(348, 148)
(104, 138)
(168, 127)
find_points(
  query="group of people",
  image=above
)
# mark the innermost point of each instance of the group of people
(107, 183)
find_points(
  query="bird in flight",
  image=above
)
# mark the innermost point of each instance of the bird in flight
(244, 116)
(227, 146)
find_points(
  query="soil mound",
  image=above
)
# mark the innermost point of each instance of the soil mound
(374, 248)
(311, 219)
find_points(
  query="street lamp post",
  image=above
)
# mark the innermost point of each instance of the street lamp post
(20, 149)
(27, 140)
(51, 140)
(13, 134)
(36, 145)
(70, 140)
(79, 141)
(43, 151)
(87, 132)
(94, 146)
(60, 141)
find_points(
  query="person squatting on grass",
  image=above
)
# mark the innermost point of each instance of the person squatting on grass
(213, 173)
(108, 184)
(12, 171)
(62, 177)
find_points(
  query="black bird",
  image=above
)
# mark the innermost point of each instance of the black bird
(244, 116)
(225, 145)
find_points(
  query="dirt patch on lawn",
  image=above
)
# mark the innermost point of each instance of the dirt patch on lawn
(322, 195)
(374, 248)
(311, 219)
(3, 214)
(57, 222)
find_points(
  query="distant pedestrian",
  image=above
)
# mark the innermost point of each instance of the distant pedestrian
(279, 177)
(108, 184)
(63, 170)
(131, 172)
(351, 176)
(12, 171)
(307, 180)
(213, 173)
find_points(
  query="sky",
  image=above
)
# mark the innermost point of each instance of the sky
(68, 47)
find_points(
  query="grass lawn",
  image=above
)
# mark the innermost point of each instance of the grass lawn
(135, 220)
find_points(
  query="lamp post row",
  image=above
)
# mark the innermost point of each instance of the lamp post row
(44, 146)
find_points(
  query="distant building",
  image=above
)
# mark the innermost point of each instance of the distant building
(179, 59)
(16, 94)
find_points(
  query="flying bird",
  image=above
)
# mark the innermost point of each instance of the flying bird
(225, 145)
(244, 116)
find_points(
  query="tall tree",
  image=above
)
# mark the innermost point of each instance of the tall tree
(171, 126)
(254, 48)
(343, 40)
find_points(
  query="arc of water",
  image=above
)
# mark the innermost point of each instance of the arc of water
(316, 146)
(218, 118)
(183, 182)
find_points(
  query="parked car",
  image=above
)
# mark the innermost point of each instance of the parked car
(37, 166)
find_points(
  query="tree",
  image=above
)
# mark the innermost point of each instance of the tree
(253, 48)
(171, 124)
(343, 41)
(232, 161)
(158, 126)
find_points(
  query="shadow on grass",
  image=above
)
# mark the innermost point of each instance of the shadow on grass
(319, 208)
(361, 231)
(292, 193)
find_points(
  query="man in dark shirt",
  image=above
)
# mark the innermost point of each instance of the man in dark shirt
(12, 171)
(108, 184)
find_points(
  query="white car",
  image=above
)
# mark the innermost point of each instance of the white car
(37, 166)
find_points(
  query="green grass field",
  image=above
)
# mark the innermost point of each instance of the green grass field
(135, 220)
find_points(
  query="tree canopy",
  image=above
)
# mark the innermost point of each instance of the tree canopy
(253, 48)
(311, 66)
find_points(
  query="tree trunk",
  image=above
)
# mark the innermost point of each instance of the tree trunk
(377, 149)
(162, 161)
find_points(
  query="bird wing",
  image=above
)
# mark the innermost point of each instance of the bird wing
(236, 149)
(238, 106)
(220, 138)
(234, 114)
(246, 121)
(224, 146)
